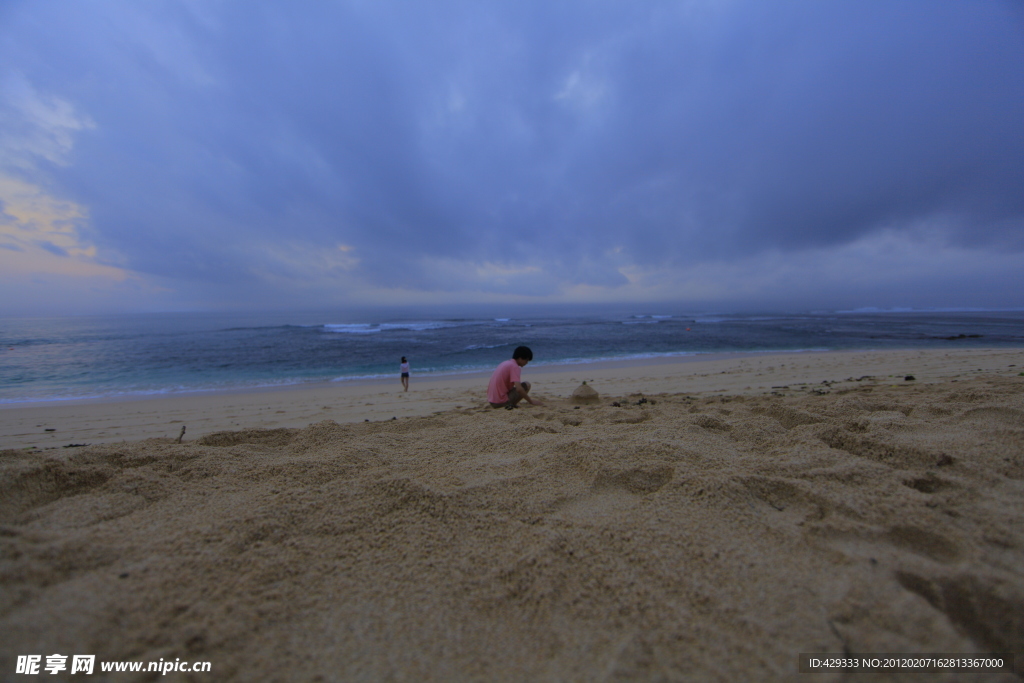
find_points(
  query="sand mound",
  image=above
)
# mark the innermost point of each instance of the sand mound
(709, 538)
(265, 437)
(585, 394)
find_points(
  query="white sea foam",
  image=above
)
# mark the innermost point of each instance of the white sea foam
(353, 328)
(376, 328)
(874, 309)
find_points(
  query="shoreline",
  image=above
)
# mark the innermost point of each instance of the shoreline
(381, 380)
(48, 425)
(388, 380)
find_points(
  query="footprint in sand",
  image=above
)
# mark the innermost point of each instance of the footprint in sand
(988, 610)
(944, 549)
(616, 490)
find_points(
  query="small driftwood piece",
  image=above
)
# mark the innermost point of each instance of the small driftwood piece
(181, 434)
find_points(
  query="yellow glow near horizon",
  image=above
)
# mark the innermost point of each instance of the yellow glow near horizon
(39, 234)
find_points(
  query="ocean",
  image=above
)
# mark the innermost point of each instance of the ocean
(56, 359)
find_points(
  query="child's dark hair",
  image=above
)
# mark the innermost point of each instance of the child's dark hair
(523, 352)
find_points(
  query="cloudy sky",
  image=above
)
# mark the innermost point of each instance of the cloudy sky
(247, 154)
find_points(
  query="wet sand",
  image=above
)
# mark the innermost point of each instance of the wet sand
(58, 424)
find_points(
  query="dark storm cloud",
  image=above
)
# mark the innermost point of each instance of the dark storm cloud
(570, 138)
(817, 127)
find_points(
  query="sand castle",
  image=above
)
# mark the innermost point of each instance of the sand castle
(585, 395)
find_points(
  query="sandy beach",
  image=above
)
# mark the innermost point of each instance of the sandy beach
(708, 518)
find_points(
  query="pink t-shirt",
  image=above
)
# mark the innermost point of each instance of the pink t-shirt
(501, 381)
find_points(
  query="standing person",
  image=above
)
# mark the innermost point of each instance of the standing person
(505, 389)
(405, 373)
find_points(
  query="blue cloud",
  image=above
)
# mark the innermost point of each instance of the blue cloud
(576, 138)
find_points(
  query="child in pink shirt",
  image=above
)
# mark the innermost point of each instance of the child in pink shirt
(505, 389)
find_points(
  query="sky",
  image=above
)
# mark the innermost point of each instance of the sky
(181, 155)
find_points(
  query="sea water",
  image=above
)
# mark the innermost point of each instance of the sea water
(52, 359)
